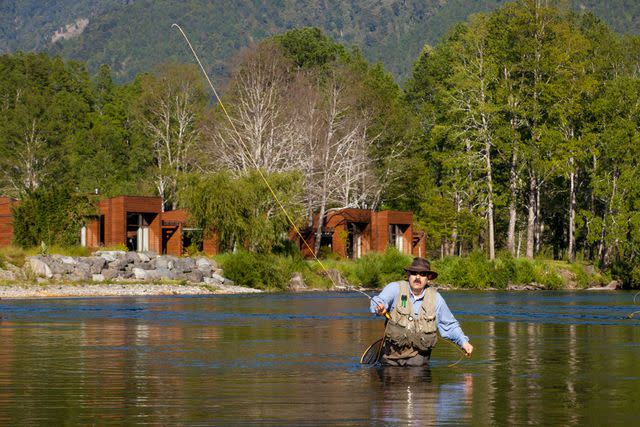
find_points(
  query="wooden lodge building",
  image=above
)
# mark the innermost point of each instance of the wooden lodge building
(352, 233)
(138, 223)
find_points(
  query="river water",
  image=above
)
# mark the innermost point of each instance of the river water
(545, 358)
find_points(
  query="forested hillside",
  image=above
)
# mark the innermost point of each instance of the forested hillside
(132, 36)
(517, 133)
(32, 24)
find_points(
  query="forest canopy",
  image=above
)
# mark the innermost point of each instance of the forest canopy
(517, 133)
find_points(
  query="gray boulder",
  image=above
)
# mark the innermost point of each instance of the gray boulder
(65, 259)
(202, 262)
(213, 281)
(185, 264)
(296, 284)
(205, 270)
(217, 278)
(132, 258)
(58, 267)
(614, 285)
(109, 274)
(110, 256)
(40, 268)
(139, 273)
(195, 276)
(165, 273)
(97, 264)
(166, 261)
(145, 265)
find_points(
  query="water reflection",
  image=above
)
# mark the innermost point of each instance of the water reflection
(546, 358)
(412, 396)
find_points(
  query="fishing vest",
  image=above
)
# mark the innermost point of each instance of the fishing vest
(405, 329)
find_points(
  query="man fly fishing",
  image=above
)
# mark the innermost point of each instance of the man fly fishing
(416, 311)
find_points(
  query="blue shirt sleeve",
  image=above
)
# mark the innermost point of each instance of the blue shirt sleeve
(448, 326)
(386, 297)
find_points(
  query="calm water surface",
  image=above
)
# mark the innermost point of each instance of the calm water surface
(545, 358)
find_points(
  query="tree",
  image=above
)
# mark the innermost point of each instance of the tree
(254, 220)
(258, 132)
(52, 215)
(170, 106)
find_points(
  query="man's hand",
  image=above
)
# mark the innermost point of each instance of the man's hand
(380, 310)
(468, 348)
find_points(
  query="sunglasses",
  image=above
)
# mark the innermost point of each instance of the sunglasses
(420, 273)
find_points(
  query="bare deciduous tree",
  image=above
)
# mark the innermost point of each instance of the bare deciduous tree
(259, 132)
(171, 105)
(281, 120)
(26, 162)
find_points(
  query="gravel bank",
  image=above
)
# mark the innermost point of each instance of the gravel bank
(114, 289)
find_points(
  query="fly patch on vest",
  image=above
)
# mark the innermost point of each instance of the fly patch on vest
(406, 329)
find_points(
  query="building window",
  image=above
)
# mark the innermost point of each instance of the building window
(138, 230)
(396, 236)
(355, 239)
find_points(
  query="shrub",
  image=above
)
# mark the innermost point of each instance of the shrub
(581, 276)
(505, 270)
(524, 271)
(366, 271)
(547, 275)
(50, 215)
(375, 270)
(260, 271)
(474, 271)
(13, 254)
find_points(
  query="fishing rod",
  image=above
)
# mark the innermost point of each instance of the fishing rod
(386, 313)
(255, 165)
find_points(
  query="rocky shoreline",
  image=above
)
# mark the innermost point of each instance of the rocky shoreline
(120, 273)
(85, 290)
(114, 273)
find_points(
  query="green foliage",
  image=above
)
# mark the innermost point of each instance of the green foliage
(478, 272)
(52, 216)
(13, 254)
(392, 32)
(57, 126)
(375, 270)
(241, 210)
(474, 271)
(309, 47)
(261, 271)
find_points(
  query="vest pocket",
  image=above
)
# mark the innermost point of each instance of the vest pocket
(397, 334)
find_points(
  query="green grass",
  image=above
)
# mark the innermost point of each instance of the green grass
(478, 272)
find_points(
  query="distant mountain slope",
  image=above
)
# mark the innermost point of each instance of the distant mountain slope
(31, 24)
(134, 35)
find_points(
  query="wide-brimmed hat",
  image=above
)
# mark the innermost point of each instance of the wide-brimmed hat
(420, 265)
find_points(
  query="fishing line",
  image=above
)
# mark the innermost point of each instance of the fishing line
(462, 356)
(255, 164)
(630, 316)
(275, 197)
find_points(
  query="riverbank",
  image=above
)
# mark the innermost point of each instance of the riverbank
(56, 290)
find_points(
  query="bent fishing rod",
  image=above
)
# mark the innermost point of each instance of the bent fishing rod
(261, 174)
